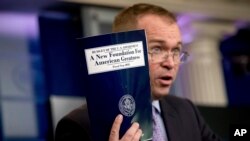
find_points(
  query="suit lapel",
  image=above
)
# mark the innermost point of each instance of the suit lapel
(171, 121)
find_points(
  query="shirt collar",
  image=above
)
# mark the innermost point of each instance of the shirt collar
(156, 104)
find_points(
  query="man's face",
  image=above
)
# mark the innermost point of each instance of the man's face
(166, 36)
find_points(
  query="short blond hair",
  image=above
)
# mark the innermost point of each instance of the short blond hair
(127, 18)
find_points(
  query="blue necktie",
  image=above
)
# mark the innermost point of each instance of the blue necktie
(158, 134)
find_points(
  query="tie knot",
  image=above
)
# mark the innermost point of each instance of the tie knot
(155, 110)
(156, 114)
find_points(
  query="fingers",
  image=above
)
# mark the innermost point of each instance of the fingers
(114, 133)
(137, 135)
(133, 133)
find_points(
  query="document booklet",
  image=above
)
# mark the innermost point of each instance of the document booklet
(116, 73)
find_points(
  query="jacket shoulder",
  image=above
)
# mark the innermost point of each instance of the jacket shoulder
(79, 115)
(74, 126)
(177, 102)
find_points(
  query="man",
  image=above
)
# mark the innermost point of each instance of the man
(177, 119)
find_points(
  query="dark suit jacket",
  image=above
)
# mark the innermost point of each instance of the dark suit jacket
(182, 120)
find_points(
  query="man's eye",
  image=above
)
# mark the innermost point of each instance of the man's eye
(176, 51)
(156, 50)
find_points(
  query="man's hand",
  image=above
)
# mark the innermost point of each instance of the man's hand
(132, 134)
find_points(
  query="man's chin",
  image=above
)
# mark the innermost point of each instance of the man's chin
(159, 94)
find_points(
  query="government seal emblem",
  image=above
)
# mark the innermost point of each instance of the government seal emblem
(127, 105)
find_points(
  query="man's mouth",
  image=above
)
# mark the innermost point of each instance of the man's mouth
(165, 80)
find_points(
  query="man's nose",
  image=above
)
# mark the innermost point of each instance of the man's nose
(168, 62)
